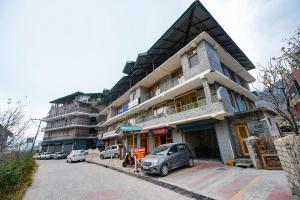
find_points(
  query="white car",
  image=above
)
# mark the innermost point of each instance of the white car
(76, 155)
(110, 151)
(37, 156)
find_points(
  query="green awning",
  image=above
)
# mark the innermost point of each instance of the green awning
(128, 129)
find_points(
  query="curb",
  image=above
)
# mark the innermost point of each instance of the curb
(168, 186)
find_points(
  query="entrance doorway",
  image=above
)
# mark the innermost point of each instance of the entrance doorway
(203, 143)
(160, 139)
(242, 134)
(145, 142)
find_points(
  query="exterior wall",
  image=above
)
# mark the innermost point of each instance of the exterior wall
(288, 149)
(257, 126)
(177, 136)
(223, 136)
(223, 93)
(213, 58)
(203, 65)
(272, 126)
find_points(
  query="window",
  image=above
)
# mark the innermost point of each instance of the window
(173, 149)
(134, 94)
(181, 147)
(232, 76)
(230, 93)
(193, 58)
(270, 121)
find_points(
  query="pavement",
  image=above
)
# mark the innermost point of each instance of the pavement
(58, 180)
(215, 180)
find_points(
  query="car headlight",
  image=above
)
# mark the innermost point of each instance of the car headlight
(155, 162)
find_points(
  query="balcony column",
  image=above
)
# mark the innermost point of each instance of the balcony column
(206, 91)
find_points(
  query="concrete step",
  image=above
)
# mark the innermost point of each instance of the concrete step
(246, 165)
(242, 160)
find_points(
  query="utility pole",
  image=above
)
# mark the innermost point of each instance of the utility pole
(37, 132)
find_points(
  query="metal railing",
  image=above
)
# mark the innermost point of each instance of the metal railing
(164, 87)
(69, 136)
(65, 110)
(171, 111)
(70, 123)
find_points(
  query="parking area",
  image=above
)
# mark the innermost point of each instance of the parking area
(218, 181)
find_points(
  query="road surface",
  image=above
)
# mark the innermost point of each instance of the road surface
(58, 180)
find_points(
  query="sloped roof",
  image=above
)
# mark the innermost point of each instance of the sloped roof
(73, 95)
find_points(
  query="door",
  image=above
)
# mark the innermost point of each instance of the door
(173, 157)
(144, 143)
(243, 134)
(107, 152)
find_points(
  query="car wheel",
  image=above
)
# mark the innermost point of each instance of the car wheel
(116, 155)
(164, 170)
(191, 162)
(102, 157)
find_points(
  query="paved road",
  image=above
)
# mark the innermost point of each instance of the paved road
(56, 179)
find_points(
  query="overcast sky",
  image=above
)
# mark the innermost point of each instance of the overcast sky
(51, 48)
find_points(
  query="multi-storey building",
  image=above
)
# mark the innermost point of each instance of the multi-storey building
(71, 122)
(191, 86)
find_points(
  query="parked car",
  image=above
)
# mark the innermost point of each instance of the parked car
(60, 155)
(37, 156)
(110, 151)
(47, 155)
(76, 155)
(167, 157)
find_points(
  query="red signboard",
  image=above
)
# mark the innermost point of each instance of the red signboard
(160, 131)
(140, 152)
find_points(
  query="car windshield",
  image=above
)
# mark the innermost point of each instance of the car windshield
(160, 150)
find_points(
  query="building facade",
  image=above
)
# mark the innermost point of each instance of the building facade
(188, 87)
(71, 123)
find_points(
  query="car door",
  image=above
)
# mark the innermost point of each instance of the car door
(173, 157)
(107, 152)
(183, 154)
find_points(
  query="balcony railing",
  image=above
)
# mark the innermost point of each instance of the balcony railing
(164, 87)
(72, 123)
(172, 111)
(64, 110)
(55, 137)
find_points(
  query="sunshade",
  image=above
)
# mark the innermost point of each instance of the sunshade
(128, 129)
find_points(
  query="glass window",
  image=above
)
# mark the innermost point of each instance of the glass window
(231, 98)
(173, 149)
(181, 147)
(193, 58)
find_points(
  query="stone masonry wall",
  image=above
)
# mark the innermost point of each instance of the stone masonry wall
(288, 149)
(257, 126)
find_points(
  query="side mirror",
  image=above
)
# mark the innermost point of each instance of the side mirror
(170, 153)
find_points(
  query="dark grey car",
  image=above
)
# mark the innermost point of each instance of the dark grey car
(167, 157)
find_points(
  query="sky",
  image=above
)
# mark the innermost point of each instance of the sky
(51, 48)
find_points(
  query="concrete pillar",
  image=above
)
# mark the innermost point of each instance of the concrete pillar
(138, 140)
(223, 137)
(206, 91)
(177, 136)
(151, 142)
(252, 152)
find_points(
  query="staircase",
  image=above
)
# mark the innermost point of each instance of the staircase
(243, 162)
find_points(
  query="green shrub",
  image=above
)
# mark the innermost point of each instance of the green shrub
(15, 171)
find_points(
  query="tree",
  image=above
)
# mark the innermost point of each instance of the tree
(277, 80)
(14, 120)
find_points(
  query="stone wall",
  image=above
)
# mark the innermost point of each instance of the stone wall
(288, 149)
(253, 153)
(256, 123)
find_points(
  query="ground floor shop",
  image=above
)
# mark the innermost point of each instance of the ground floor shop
(68, 145)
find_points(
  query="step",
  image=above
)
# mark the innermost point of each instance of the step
(242, 160)
(242, 164)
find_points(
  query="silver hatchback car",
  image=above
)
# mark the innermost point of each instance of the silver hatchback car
(167, 157)
(110, 151)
